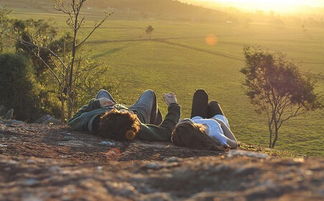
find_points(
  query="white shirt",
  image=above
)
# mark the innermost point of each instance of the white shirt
(214, 129)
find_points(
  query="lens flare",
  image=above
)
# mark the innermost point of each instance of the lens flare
(211, 40)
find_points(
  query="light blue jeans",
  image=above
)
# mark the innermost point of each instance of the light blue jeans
(146, 108)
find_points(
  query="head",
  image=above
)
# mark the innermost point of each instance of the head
(119, 125)
(192, 135)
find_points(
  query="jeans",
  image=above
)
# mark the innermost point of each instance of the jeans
(145, 108)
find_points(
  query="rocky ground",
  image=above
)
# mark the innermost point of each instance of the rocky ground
(40, 162)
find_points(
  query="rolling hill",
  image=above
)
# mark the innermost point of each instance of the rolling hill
(129, 9)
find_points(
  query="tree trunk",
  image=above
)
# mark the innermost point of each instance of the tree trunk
(270, 134)
(275, 137)
(74, 46)
(62, 109)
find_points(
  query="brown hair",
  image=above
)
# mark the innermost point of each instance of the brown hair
(119, 125)
(191, 135)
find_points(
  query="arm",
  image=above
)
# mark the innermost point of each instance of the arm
(92, 105)
(232, 142)
(163, 132)
(80, 120)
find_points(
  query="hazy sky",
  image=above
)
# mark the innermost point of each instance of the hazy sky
(267, 5)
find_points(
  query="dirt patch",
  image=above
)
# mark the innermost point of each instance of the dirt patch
(40, 162)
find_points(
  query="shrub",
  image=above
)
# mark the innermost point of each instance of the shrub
(18, 89)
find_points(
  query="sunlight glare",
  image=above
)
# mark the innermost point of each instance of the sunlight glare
(211, 40)
(270, 5)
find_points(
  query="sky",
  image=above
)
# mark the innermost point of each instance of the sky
(269, 5)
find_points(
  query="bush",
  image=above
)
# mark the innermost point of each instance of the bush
(18, 89)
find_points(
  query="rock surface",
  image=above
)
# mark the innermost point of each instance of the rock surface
(40, 162)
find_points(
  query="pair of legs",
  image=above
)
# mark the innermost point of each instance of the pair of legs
(146, 107)
(201, 107)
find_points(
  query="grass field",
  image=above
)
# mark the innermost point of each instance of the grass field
(177, 59)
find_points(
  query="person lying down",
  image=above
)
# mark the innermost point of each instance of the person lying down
(208, 128)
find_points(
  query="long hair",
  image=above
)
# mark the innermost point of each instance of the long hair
(119, 125)
(192, 135)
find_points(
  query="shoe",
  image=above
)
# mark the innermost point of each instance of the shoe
(214, 109)
(199, 104)
(104, 94)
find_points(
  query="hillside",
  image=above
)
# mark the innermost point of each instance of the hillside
(157, 9)
(41, 162)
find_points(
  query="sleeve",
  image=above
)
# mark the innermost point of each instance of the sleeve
(163, 132)
(76, 121)
(221, 118)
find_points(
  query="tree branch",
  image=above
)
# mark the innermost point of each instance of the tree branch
(93, 30)
(296, 113)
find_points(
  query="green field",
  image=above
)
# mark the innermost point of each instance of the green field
(177, 59)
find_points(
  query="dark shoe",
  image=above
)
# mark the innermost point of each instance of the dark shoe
(199, 104)
(214, 109)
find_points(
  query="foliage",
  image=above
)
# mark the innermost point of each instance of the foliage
(5, 28)
(57, 60)
(37, 39)
(277, 88)
(18, 89)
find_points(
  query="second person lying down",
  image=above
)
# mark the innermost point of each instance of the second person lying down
(208, 128)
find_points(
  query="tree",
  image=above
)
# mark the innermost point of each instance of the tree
(277, 88)
(37, 40)
(18, 89)
(149, 30)
(32, 34)
(67, 70)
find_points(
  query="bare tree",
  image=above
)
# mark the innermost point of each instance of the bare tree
(277, 88)
(75, 22)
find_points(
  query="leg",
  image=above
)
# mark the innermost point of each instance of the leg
(102, 93)
(199, 104)
(146, 108)
(214, 109)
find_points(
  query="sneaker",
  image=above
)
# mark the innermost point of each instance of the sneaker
(102, 93)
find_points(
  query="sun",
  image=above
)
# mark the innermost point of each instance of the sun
(283, 6)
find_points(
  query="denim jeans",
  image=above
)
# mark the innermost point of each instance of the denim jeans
(145, 108)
